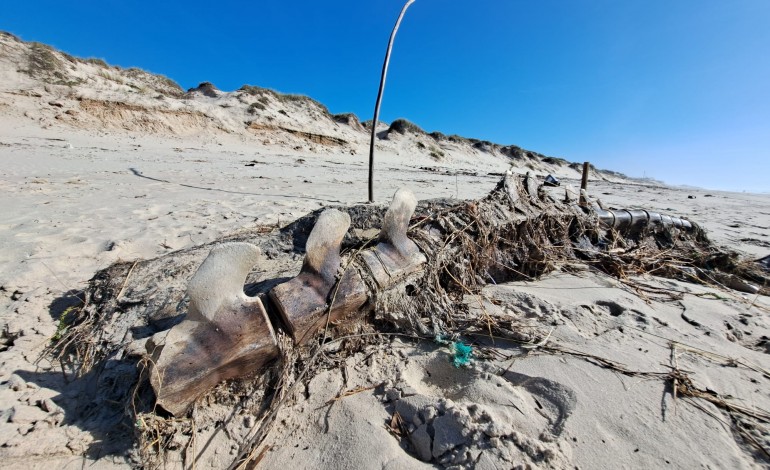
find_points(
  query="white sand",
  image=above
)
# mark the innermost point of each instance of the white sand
(84, 185)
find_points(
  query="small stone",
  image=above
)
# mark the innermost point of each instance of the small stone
(16, 383)
(408, 391)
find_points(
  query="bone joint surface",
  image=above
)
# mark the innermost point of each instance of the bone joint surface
(395, 255)
(305, 300)
(225, 334)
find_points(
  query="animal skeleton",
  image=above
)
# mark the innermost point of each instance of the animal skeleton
(227, 334)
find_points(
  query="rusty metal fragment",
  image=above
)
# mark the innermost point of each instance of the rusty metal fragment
(304, 301)
(225, 335)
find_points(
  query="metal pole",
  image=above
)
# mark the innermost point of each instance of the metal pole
(379, 99)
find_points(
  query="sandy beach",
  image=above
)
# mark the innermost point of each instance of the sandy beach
(118, 167)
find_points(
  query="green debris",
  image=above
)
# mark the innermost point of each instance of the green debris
(461, 353)
(64, 323)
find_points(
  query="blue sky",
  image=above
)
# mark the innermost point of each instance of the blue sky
(677, 90)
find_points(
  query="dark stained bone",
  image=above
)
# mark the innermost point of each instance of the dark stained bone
(225, 334)
(304, 301)
(395, 256)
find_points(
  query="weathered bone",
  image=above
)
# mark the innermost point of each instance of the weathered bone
(304, 301)
(636, 219)
(395, 256)
(530, 184)
(630, 219)
(226, 334)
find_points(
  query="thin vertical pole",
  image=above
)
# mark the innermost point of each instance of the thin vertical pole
(584, 184)
(379, 99)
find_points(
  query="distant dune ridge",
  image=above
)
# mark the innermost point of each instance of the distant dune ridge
(89, 93)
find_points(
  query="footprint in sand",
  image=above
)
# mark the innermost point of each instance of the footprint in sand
(473, 417)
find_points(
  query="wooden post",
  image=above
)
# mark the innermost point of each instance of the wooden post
(584, 184)
(379, 99)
